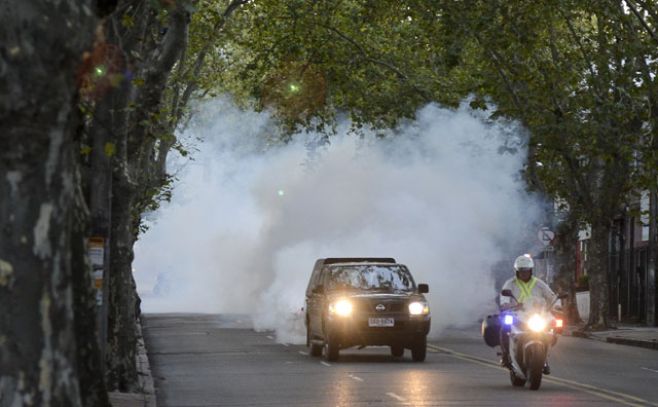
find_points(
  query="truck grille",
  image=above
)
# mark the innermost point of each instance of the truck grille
(370, 306)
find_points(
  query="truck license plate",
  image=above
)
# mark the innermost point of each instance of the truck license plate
(381, 322)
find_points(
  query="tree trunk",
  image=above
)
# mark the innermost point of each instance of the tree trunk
(38, 347)
(39, 362)
(92, 382)
(135, 147)
(122, 340)
(597, 270)
(566, 258)
(109, 120)
(651, 261)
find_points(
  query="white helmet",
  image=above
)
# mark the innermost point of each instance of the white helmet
(523, 262)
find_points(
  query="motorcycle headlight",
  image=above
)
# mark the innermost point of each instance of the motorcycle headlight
(537, 323)
(341, 308)
(419, 308)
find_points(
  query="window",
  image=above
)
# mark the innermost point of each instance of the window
(388, 278)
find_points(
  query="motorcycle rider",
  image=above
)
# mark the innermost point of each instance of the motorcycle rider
(528, 290)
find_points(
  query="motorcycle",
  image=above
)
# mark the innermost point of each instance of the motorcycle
(532, 331)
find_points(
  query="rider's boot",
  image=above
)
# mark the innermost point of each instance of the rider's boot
(505, 360)
(547, 368)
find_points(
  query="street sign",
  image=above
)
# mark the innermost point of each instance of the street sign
(546, 235)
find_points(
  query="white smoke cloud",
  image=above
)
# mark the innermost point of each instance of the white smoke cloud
(248, 220)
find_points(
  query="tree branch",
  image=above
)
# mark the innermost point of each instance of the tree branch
(177, 114)
(426, 96)
(646, 7)
(641, 20)
(586, 58)
(173, 42)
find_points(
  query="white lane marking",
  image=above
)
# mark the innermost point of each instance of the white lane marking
(326, 364)
(357, 378)
(285, 344)
(606, 394)
(303, 353)
(395, 396)
(651, 370)
(270, 337)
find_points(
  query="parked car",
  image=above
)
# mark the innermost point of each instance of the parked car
(365, 302)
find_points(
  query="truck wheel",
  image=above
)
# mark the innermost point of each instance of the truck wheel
(397, 350)
(316, 350)
(419, 349)
(331, 350)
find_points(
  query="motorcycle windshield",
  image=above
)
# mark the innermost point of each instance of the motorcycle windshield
(534, 304)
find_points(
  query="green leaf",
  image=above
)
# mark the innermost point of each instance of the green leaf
(109, 149)
(127, 21)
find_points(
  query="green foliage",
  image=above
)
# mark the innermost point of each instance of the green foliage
(152, 199)
(109, 149)
(583, 282)
(127, 21)
(569, 73)
(580, 75)
(370, 59)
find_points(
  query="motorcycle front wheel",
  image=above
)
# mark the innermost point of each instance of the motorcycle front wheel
(535, 363)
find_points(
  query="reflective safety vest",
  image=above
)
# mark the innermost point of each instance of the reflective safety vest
(526, 288)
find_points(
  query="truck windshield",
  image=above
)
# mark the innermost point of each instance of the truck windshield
(390, 278)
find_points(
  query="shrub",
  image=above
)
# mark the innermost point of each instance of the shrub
(583, 283)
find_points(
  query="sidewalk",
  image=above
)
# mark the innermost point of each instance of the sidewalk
(641, 336)
(145, 398)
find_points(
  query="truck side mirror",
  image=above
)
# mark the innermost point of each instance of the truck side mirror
(423, 288)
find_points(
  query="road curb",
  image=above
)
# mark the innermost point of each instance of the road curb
(647, 344)
(144, 369)
(581, 334)
(634, 342)
(146, 395)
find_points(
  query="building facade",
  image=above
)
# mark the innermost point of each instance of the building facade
(632, 292)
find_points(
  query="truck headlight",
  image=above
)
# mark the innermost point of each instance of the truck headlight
(341, 308)
(419, 308)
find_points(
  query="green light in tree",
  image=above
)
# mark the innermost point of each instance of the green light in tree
(294, 88)
(100, 70)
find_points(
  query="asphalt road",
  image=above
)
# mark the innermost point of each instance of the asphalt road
(217, 360)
